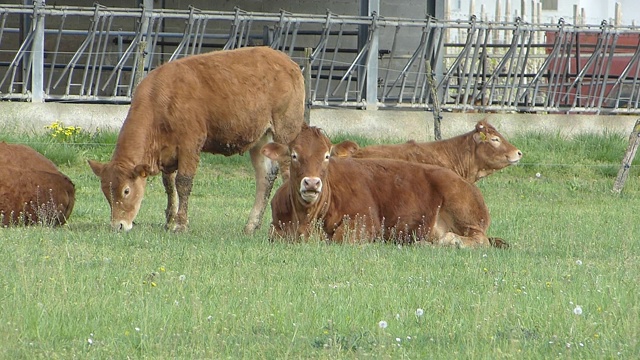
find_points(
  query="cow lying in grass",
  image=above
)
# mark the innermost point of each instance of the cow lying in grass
(32, 189)
(367, 199)
(224, 102)
(473, 155)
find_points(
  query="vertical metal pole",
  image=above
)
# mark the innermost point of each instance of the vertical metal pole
(146, 14)
(370, 8)
(307, 85)
(37, 54)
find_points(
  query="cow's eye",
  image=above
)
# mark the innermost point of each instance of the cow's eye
(496, 139)
(126, 191)
(294, 156)
(327, 156)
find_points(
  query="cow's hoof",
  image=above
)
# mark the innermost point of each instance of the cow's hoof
(499, 243)
(249, 229)
(176, 228)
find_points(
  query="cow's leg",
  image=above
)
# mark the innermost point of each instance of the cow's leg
(169, 182)
(453, 239)
(265, 172)
(463, 225)
(183, 189)
(188, 160)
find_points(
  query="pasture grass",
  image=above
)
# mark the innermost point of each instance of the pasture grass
(567, 288)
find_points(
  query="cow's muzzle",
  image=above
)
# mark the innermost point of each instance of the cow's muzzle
(310, 189)
(121, 225)
(515, 157)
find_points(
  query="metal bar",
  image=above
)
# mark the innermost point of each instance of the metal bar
(333, 62)
(16, 59)
(37, 54)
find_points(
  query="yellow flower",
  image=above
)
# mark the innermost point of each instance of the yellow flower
(153, 284)
(162, 269)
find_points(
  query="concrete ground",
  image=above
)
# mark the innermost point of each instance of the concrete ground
(382, 124)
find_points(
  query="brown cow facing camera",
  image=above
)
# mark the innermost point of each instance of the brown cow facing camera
(224, 102)
(369, 199)
(32, 189)
(473, 155)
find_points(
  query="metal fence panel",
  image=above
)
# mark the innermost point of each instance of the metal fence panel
(95, 54)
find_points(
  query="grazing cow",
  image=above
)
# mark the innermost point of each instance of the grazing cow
(367, 199)
(32, 189)
(223, 102)
(473, 155)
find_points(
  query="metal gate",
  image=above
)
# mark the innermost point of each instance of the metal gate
(96, 54)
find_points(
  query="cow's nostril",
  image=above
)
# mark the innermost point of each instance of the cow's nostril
(120, 226)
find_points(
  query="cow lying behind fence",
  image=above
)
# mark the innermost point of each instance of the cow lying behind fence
(367, 199)
(32, 189)
(223, 102)
(473, 155)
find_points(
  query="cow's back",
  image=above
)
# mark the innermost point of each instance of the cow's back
(32, 185)
(24, 156)
(224, 101)
(404, 196)
(409, 151)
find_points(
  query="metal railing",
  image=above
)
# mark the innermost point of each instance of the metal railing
(96, 54)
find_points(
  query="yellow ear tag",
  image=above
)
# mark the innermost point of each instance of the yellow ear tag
(483, 136)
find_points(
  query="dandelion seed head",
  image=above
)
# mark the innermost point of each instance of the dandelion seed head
(137, 329)
(182, 278)
(578, 262)
(419, 312)
(90, 341)
(577, 310)
(382, 324)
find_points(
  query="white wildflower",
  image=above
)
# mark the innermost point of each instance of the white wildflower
(577, 310)
(382, 324)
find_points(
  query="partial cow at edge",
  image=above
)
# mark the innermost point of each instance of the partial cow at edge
(473, 155)
(224, 102)
(357, 200)
(32, 189)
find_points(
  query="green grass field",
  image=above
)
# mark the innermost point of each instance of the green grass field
(569, 287)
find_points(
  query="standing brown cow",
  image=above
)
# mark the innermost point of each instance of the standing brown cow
(224, 102)
(32, 189)
(473, 155)
(368, 199)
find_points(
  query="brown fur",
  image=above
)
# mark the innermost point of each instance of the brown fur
(368, 199)
(224, 102)
(473, 155)
(32, 189)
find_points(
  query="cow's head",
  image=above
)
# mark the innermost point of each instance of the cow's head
(124, 188)
(308, 155)
(493, 151)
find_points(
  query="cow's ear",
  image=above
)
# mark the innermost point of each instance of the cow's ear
(274, 151)
(479, 137)
(96, 167)
(141, 171)
(344, 149)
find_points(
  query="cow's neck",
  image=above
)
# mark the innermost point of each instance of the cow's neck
(306, 215)
(136, 143)
(462, 155)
